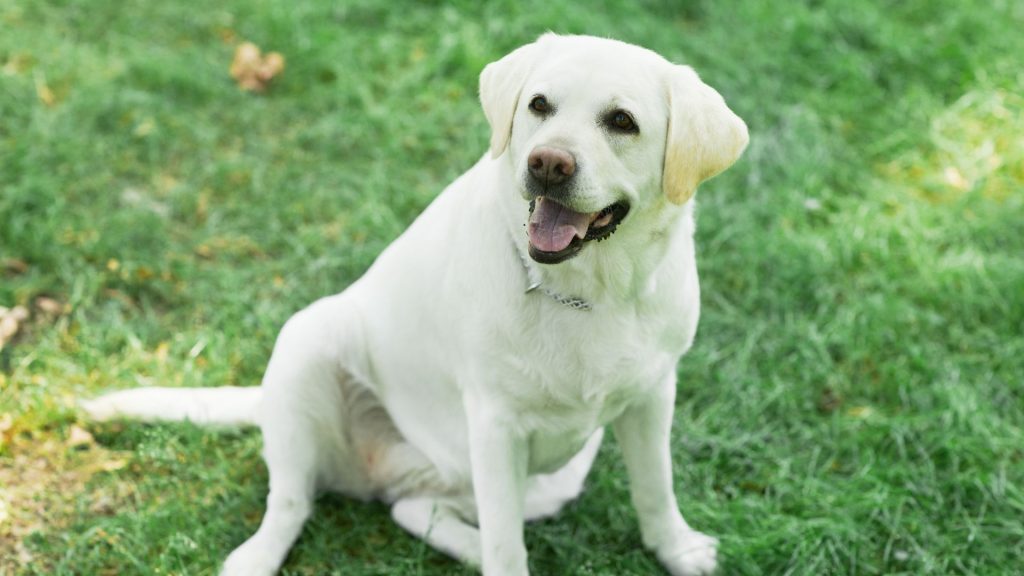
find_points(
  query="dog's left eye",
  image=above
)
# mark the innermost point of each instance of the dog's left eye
(621, 120)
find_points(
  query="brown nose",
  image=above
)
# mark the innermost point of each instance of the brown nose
(551, 165)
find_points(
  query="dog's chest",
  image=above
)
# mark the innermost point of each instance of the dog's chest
(571, 372)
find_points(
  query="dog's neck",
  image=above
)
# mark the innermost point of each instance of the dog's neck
(535, 283)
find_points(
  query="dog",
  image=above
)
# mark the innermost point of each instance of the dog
(548, 292)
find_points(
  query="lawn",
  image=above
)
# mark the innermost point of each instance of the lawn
(854, 403)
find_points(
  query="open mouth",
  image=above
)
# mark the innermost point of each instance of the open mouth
(558, 232)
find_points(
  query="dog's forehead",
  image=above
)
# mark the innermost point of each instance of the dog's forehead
(599, 70)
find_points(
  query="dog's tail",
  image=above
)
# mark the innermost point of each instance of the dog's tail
(228, 405)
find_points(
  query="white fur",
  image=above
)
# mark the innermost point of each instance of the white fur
(436, 383)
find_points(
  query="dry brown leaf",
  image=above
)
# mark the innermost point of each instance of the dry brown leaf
(204, 251)
(79, 436)
(227, 35)
(14, 266)
(49, 306)
(252, 69)
(10, 321)
(829, 401)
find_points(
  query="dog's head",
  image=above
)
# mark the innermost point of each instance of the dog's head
(597, 129)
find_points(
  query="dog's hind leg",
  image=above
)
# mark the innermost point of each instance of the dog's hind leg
(289, 504)
(437, 524)
(304, 440)
(290, 450)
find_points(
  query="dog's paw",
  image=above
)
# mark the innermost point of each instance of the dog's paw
(690, 554)
(249, 561)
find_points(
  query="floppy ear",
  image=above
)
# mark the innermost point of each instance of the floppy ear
(704, 136)
(500, 85)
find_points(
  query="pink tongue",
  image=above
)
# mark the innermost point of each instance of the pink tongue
(553, 226)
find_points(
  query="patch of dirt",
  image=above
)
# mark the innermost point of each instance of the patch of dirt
(43, 479)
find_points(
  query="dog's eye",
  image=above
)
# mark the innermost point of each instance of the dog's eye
(622, 121)
(539, 104)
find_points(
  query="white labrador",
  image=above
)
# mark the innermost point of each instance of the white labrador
(467, 376)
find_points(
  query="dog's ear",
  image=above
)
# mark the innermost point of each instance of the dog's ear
(500, 85)
(704, 136)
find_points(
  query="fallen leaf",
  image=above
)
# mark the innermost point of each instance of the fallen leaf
(44, 93)
(14, 266)
(812, 204)
(955, 179)
(861, 411)
(144, 128)
(104, 505)
(25, 557)
(10, 321)
(162, 351)
(121, 297)
(141, 200)
(49, 306)
(6, 430)
(252, 69)
(113, 465)
(18, 64)
(204, 251)
(79, 436)
(227, 35)
(829, 401)
(202, 206)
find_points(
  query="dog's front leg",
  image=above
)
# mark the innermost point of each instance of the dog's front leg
(643, 432)
(498, 457)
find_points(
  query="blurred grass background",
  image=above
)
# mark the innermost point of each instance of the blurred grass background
(854, 403)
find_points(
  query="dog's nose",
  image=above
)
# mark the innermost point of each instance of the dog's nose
(551, 165)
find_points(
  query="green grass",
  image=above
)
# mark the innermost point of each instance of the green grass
(855, 400)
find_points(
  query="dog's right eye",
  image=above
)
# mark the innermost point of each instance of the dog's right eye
(539, 104)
